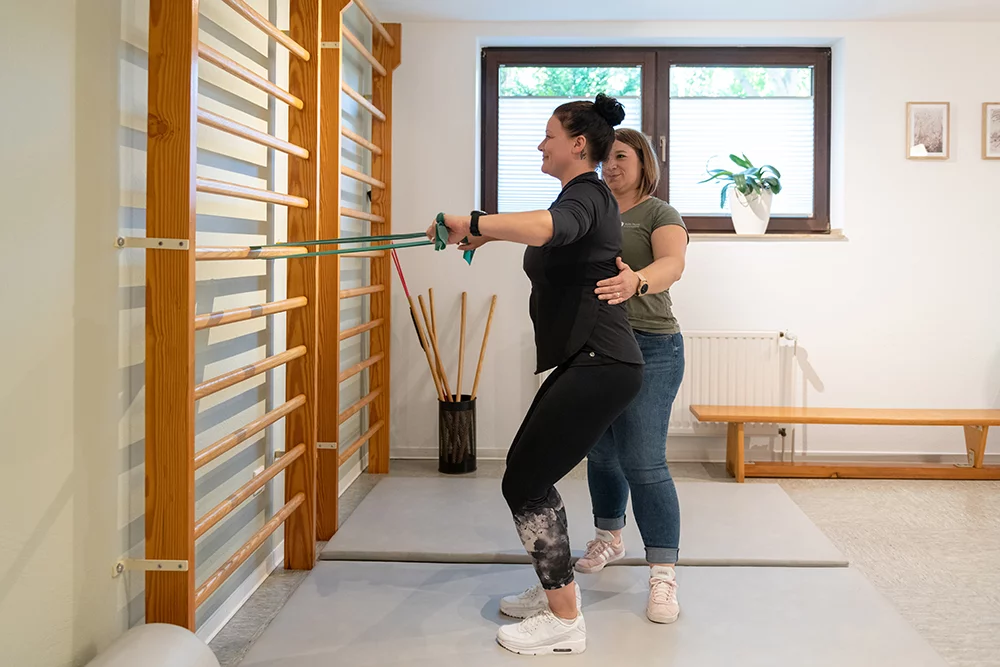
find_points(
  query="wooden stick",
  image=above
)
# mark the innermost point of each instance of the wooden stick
(482, 350)
(220, 447)
(434, 334)
(360, 141)
(243, 553)
(238, 497)
(360, 329)
(356, 445)
(221, 317)
(224, 124)
(357, 368)
(212, 186)
(375, 22)
(437, 353)
(360, 99)
(227, 64)
(364, 178)
(216, 384)
(427, 350)
(461, 350)
(361, 291)
(205, 253)
(360, 215)
(356, 408)
(365, 53)
(251, 15)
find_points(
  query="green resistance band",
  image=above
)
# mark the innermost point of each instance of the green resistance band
(441, 242)
(346, 239)
(347, 251)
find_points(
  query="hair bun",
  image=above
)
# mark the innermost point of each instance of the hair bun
(609, 109)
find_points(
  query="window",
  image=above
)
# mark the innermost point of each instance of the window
(698, 105)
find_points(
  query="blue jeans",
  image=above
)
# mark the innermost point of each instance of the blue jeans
(632, 455)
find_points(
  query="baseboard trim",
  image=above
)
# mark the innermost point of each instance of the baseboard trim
(700, 453)
(218, 620)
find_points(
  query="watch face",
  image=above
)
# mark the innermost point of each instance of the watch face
(643, 289)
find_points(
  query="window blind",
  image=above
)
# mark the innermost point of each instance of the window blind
(774, 131)
(521, 185)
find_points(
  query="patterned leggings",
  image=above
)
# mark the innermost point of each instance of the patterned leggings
(572, 409)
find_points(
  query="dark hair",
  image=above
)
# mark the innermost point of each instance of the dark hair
(593, 120)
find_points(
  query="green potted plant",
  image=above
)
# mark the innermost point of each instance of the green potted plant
(754, 188)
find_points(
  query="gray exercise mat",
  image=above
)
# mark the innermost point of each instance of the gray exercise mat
(446, 615)
(448, 520)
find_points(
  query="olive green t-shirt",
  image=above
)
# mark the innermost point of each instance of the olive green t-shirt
(651, 313)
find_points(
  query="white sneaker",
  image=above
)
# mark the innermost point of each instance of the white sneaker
(662, 606)
(544, 633)
(530, 602)
(600, 551)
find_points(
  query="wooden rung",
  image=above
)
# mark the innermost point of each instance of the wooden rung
(356, 445)
(251, 15)
(239, 130)
(206, 253)
(247, 313)
(361, 291)
(365, 254)
(359, 98)
(216, 384)
(357, 368)
(215, 187)
(357, 407)
(364, 178)
(375, 22)
(366, 54)
(361, 141)
(219, 576)
(220, 447)
(360, 329)
(209, 54)
(360, 215)
(222, 510)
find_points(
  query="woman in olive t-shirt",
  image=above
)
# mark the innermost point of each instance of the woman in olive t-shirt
(631, 455)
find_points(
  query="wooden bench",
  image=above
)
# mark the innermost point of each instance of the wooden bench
(975, 423)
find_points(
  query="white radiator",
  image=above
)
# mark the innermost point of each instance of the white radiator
(730, 368)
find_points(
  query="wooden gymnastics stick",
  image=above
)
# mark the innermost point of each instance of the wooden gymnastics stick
(482, 350)
(461, 350)
(434, 334)
(427, 349)
(434, 344)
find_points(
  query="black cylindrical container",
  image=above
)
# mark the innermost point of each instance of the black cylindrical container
(457, 436)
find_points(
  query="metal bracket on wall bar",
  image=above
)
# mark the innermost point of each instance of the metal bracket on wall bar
(143, 242)
(326, 445)
(138, 564)
(329, 45)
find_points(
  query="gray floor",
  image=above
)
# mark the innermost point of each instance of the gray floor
(932, 548)
(721, 524)
(447, 615)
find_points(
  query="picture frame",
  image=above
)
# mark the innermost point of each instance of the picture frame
(991, 130)
(928, 130)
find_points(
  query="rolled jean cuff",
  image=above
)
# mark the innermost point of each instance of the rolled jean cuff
(663, 555)
(609, 524)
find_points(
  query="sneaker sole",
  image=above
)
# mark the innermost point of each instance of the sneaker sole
(564, 647)
(597, 568)
(662, 619)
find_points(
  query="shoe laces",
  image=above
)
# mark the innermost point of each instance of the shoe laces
(597, 547)
(662, 591)
(532, 623)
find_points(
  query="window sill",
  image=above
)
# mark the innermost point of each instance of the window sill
(834, 235)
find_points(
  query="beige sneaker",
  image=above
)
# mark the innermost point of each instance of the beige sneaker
(600, 551)
(662, 606)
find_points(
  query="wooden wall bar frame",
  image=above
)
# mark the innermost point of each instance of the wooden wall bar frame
(328, 427)
(386, 49)
(303, 280)
(170, 309)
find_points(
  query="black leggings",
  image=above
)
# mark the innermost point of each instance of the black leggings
(574, 407)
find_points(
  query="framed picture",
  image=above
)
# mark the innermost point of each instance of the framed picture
(991, 130)
(928, 128)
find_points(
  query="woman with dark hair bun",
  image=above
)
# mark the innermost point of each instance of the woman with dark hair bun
(571, 247)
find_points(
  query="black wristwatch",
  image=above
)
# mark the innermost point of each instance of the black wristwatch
(474, 224)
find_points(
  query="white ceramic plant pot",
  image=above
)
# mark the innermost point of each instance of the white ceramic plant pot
(750, 213)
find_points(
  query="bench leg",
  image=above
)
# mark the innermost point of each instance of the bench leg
(975, 444)
(734, 451)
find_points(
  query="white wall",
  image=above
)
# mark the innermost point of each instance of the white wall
(901, 315)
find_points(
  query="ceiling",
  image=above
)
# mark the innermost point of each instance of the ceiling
(687, 10)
